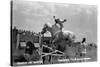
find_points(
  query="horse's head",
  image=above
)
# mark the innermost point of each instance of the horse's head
(45, 28)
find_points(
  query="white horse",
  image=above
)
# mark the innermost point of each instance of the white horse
(58, 34)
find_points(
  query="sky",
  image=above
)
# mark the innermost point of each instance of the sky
(81, 18)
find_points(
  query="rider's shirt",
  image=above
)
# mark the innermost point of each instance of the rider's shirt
(59, 21)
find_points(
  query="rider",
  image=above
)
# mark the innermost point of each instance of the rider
(60, 22)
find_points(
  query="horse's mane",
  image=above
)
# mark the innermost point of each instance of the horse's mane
(48, 24)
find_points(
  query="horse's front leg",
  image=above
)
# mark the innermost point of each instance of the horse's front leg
(54, 43)
(54, 40)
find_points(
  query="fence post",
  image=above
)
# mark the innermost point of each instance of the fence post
(18, 39)
(41, 48)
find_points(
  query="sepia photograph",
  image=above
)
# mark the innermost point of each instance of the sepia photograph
(52, 33)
